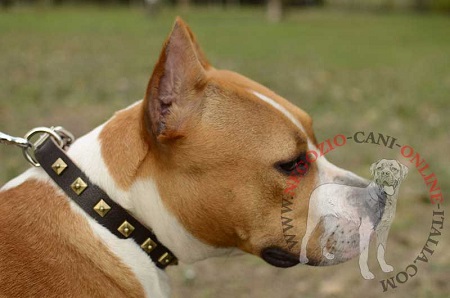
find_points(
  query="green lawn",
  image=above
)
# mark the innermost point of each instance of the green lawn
(351, 71)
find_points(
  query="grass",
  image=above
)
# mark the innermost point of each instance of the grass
(351, 71)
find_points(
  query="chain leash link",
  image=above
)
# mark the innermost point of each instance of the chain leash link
(62, 137)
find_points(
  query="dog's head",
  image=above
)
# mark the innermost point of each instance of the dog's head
(388, 174)
(222, 149)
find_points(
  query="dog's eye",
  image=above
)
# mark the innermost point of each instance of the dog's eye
(394, 170)
(298, 166)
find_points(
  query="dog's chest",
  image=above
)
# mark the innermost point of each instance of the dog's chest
(389, 209)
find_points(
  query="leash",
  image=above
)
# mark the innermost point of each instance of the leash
(48, 152)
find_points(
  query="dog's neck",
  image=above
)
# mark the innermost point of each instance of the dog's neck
(140, 197)
(376, 191)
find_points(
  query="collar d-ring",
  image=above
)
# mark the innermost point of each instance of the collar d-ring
(28, 152)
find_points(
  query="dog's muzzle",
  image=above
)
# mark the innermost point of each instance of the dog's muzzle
(386, 179)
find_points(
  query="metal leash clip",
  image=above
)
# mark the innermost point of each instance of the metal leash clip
(63, 138)
(10, 140)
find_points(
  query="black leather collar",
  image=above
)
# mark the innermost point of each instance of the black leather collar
(95, 202)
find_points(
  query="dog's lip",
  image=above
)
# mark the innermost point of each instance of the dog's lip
(385, 182)
(278, 257)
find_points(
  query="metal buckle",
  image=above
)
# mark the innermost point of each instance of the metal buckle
(28, 152)
(63, 138)
(67, 137)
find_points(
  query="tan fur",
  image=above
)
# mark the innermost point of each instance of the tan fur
(217, 175)
(123, 146)
(48, 250)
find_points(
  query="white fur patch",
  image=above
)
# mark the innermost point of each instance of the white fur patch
(280, 108)
(149, 207)
(153, 281)
(86, 153)
(31, 173)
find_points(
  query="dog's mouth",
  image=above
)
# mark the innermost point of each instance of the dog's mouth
(278, 257)
(385, 181)
(388, 185)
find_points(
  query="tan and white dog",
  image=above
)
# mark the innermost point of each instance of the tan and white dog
(202, 160)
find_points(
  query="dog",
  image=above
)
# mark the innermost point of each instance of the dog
(357, 213)
(389, 174)
(202, 160)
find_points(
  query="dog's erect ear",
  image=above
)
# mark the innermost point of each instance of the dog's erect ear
(373, 167)
(200, 54)
(178, 78)
(403, 170)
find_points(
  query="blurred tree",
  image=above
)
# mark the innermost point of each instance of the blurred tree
(274, 10)
(421, 5)
(152, 6)
(6, 3)
(440, 5)
(184, 4)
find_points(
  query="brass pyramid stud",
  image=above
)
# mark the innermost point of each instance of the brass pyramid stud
(166, 259)
(78, 186)
(126, 229)
(102, 208)
(148, 245)
(59, 166)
